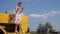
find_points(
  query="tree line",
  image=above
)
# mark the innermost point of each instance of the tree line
(44, 28)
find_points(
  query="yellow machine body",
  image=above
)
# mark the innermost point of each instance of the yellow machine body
(5, 18)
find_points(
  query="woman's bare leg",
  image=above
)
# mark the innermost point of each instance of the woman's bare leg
(21, 30)
(20, 27)
(16, 27)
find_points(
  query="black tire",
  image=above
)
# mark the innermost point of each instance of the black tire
(1, 32)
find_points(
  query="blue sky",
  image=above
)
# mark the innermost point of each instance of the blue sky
(38, 11)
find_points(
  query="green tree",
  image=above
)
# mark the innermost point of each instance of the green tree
(44, 28)
(48, 26)
(39, 28)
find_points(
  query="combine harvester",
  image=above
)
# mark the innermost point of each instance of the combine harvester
(6, 27)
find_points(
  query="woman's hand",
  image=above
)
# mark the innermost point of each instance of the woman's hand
(22, 8)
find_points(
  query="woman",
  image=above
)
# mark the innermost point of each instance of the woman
(18, 14)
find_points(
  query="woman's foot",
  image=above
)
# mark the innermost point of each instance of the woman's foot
(23, 32)
(16, 31)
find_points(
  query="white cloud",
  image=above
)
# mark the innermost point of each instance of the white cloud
(37, 16)
(44, 16)
(52, 13)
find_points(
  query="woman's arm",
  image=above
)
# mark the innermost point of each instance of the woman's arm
(22, 10)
